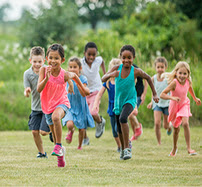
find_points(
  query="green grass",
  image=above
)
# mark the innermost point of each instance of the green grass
(98, 163)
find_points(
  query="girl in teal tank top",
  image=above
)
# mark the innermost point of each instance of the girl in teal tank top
(125, 91)
(126, 95)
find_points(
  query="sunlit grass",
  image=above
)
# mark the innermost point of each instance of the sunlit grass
(98, 163)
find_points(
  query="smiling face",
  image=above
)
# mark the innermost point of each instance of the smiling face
(90, 55)
(37, 62)
(127, 58)
(181, 75)
(54, 60)
(160, 68)
(74, 67)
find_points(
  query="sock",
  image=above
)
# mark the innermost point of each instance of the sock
(59, 144)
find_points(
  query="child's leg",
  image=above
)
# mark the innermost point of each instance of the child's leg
(81, 136)
(57, 115)
(114, 130)
(126, 111)
(157, 123)
(175, 139)
(38, 141)
(119, 131)
(133, 120)
(53, 133)
(70, 127)
(185, 124)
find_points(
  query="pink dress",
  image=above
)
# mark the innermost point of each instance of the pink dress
(54, 93)
(182, 108)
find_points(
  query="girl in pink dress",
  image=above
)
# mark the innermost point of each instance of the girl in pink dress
(54, 101)
(179, 109)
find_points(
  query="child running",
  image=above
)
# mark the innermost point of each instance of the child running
(110, 86)
(37, 122)
(179, 108)
(161, 107)
(90, 68)
(125, 94)
(79, 113)
(54, 100)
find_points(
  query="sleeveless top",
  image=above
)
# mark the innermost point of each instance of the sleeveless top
(182, 108)
(54, 93)
(125, 91)
(159, 87)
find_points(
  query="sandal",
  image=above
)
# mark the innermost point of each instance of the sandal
(192, 152)
(171, 153)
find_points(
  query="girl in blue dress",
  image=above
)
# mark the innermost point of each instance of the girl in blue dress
(79, 114)
(126, 95)
(110, 86)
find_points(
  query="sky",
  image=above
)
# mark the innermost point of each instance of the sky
(16, 7)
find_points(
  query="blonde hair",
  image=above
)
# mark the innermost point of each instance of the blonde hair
(161, 60)
(172, 75)
(112, 63)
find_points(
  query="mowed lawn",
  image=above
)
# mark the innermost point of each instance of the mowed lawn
(98, 164)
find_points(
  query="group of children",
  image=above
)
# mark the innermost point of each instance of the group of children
(72, 98)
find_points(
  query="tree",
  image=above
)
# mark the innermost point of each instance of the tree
(2, 11)
(48, 25)
(193, 9)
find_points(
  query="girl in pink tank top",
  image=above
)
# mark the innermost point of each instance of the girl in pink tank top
(54, 101)
(179, 109)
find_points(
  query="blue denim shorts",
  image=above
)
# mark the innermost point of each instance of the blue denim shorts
(164, 110)
(49, 116)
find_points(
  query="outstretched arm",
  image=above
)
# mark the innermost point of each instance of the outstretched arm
(197, 100)
(103, 67)
(42, 79)
(164, 93)
(149, 106)
(144, 92)
(111, 73)
(140, 73)
(98, 98)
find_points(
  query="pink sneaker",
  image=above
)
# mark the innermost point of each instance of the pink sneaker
(57, 151)
(138, 131)
(79, 148)
(133, 138)
(61, 159)
(69, 137)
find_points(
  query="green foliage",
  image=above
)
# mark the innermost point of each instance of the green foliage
(54, 24)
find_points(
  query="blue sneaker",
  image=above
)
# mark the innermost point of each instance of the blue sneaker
(40, 155)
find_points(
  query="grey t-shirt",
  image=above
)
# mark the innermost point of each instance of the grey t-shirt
(31, 80)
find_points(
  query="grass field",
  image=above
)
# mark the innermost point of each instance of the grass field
(99, 164)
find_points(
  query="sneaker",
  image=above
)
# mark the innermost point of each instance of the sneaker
(118, 149)
(100, 127)
(121, 154)
(86, 141)
(138, 131)
(133, 138)
(61, 159)
(40, 155)
(79, 148)
(51, 136)
(169, 132)
(69, 137)
(127, 154)
(57, 151)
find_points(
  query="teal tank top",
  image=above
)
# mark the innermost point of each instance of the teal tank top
(125, 91)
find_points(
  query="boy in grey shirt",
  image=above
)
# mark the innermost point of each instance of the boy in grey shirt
(37, 122)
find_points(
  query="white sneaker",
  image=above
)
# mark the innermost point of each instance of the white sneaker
(100, 127)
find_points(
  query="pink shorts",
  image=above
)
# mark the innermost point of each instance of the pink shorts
(90, 100)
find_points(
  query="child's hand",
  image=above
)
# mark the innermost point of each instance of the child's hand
(198, 101)
(149, 106)
(48, 72)
(114, 73)
(27, 92)
(71, 87)
(176, 99)
(155, 98)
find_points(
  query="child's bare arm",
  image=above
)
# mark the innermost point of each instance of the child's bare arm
(149, 106)
(143, 96)
(27, 91)
(42, 79)
(86, 90)
(197, 100)
(103, 67)
(98, 98)
(140, 73)
(111, 73)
